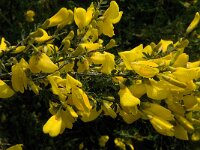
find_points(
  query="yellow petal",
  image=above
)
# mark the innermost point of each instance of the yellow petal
(127, 100)
(164, 44)
(158, 110)
(180, 132)
(162, 126)
(40, 35)
(108, 64)
(15, 147)
(157, 90)
(5, 90)
(53, 126)
(138, 89)
(113, 11)
(108, 110)
(181, 61)
(92, 115)
(42, 63)
(132, 55)
(194, 23)
(3, 44)
(60, 19)
(144, 70)
(129, 118)
(108, 28)
(80, 17)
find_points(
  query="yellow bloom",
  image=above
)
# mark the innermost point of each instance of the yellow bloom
(15, 147)
(158, 110)
(180, 132)
(60, 19)
(129, 118)
(103, 140)
(93, 114)
(162, 126)
(82, 17)
(40, 35)
(137, 89)
(144, 69)
(164, 44)
(5, 90)
(19, 78)
(127, 101)
(181, 60)
(106, 59)
(29, 15)
(42, 63)
(157, 90)
(111, 16)
(58, 122)
(3, 45)
(80, 100)
(83, 65)
(108, 111)
(18, 49)
(194, 23)
(133, 55)
(90, 46)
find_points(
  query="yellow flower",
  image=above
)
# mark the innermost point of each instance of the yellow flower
(80, 100)
(40, 35)
(157, 90)
(58, 122)
(93, 114)
(144, 69)
(42, 63)
(194, 23)
(90, 46)
(5, 90)
(29, 15)
(127, 101)
(103, 140)
(19, 78)
(158, 110)
(83, 65)
(15, 147)
(133, 55)
(180, 132)
(111, 16)
(106, 59)
(164, 44)
(3, 45)
(162, 126)
(60, 19)
(53, 126)
(137, 89)
(129, 118)
(82, 17)
(108, 110)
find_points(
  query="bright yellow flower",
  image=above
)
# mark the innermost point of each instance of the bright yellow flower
(60, 19)
(108, 111)
(162, 126)
(29, 15)
(129, 118)
(111, 16)
(58, 122)
(164, 44)
(127, 101)
(93, 114)
(80, 100)
(42, 63)
(83, 65)
(3, 45)
(158, 110)
(157, 90)
(194, 23)
(133, 55)
(82, 17)
(15, 147)
(106, 59)
(40, 35)
(137, 89)
(5, 90)
(19, 78)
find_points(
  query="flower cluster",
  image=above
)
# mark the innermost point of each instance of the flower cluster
(156, 82)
